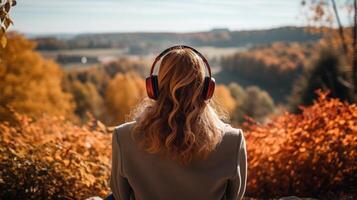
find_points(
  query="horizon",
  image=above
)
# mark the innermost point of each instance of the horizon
(41, 17)
(151, 32)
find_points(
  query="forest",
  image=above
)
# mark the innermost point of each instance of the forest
(151, 41)
(293, 90)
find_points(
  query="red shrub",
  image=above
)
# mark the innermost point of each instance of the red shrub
(307, 154)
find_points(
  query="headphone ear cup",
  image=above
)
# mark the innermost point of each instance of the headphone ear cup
(152, 87)
(155, 85)
(208, 88)
(149, 88)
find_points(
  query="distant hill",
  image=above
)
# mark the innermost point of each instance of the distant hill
(142, 42)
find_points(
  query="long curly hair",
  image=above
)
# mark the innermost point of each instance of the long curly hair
(180, 123)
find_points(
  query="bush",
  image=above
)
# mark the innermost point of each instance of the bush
(308, 154)
(50, 158)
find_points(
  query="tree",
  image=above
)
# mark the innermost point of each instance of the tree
(252, 102)
(86, 97)
(223, 98)
(121, 96)
(5, 21)
(238, 93)
(323, 72)
(28, 83)
(258, 103)
(124, 65)
(325, 13)
(278, 65)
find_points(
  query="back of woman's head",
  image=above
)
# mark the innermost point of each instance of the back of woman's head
(180, 123)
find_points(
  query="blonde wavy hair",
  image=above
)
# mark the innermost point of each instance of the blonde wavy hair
(180, 123)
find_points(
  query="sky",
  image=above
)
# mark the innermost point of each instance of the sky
(93, 16)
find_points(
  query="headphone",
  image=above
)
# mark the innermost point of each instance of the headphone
(152, 85)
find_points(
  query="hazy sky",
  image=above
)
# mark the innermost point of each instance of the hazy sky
(78, 16)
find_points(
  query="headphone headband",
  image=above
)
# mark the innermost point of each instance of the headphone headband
(152, 86)
(180, 47)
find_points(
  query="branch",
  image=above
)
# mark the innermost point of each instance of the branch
(340, 28)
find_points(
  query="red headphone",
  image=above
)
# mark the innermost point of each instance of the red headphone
(152, 86)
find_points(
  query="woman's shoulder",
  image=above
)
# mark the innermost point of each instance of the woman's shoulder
(125, 125)
(228, 148)
(233, 135)
(123, 129)
(228, 129)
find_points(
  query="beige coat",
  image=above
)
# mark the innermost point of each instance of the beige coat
(139, 175)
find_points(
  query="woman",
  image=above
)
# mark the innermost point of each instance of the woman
(177, 147)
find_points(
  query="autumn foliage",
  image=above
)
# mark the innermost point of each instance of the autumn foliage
(308, 154)
(50, 158)
(123, 93)
(29, 83)
(271, 67)
(305, 155)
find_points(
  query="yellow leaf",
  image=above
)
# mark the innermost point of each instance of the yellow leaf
(3, 41)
